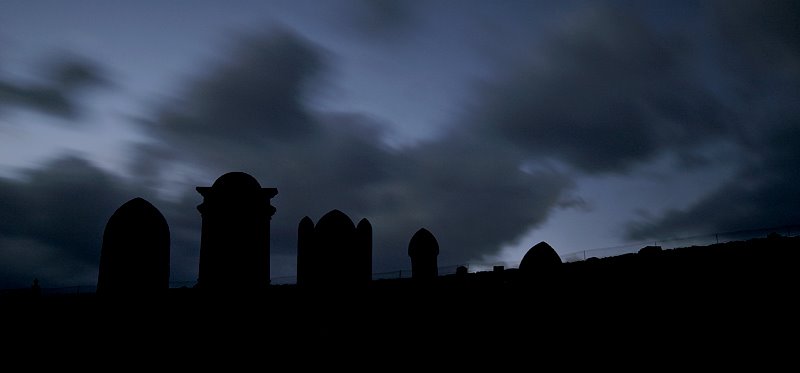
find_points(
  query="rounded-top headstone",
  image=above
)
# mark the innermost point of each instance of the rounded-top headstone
(239, 181)
(540, 256)
(135, 252)
(423, 243)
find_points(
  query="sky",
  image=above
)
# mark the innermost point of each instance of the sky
(495, 125)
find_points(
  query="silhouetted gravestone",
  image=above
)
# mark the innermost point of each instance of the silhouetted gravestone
(364, 250)
(234, 246)
(650, 250)
(461, 271)
(423, 250)
(334, 252)
(135, 253)
(540, 258)
(305, 238)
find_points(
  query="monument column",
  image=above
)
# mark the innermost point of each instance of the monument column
(234, 244)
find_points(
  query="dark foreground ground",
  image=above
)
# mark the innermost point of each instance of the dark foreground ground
(728, 302)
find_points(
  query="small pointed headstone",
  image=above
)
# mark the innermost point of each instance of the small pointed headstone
(423, 250)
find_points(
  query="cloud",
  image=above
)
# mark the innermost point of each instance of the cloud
(471, 194)
(606, 92)
(250, 114)
(761, 37)
(763, 194)
(610, 91)
(760, 57)
(256, 96)
(63, 80)
(380, 19)
(52, 221)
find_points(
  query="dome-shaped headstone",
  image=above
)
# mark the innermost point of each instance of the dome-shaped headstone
(540, 257)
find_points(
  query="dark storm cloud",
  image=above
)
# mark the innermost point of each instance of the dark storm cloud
(65, 78)
(763, 194)
(254, 96)
(52, 221)
(380, 19)
(760, 57)
(250, 115)
(471, 194)
(604, 93)
(759, 37)
(611, 88)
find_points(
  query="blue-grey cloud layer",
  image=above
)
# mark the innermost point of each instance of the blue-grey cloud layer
(608, 90)
(759, 56)
(65, 78)
(250, 114)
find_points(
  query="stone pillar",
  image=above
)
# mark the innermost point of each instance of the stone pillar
(234, 247)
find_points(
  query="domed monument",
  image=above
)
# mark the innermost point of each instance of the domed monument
(234, 246)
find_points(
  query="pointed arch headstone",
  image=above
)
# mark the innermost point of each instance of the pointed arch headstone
(363, 246)
(305, 247)
(134, 257)
(540, 261)
(423, 250)
(334, 251)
